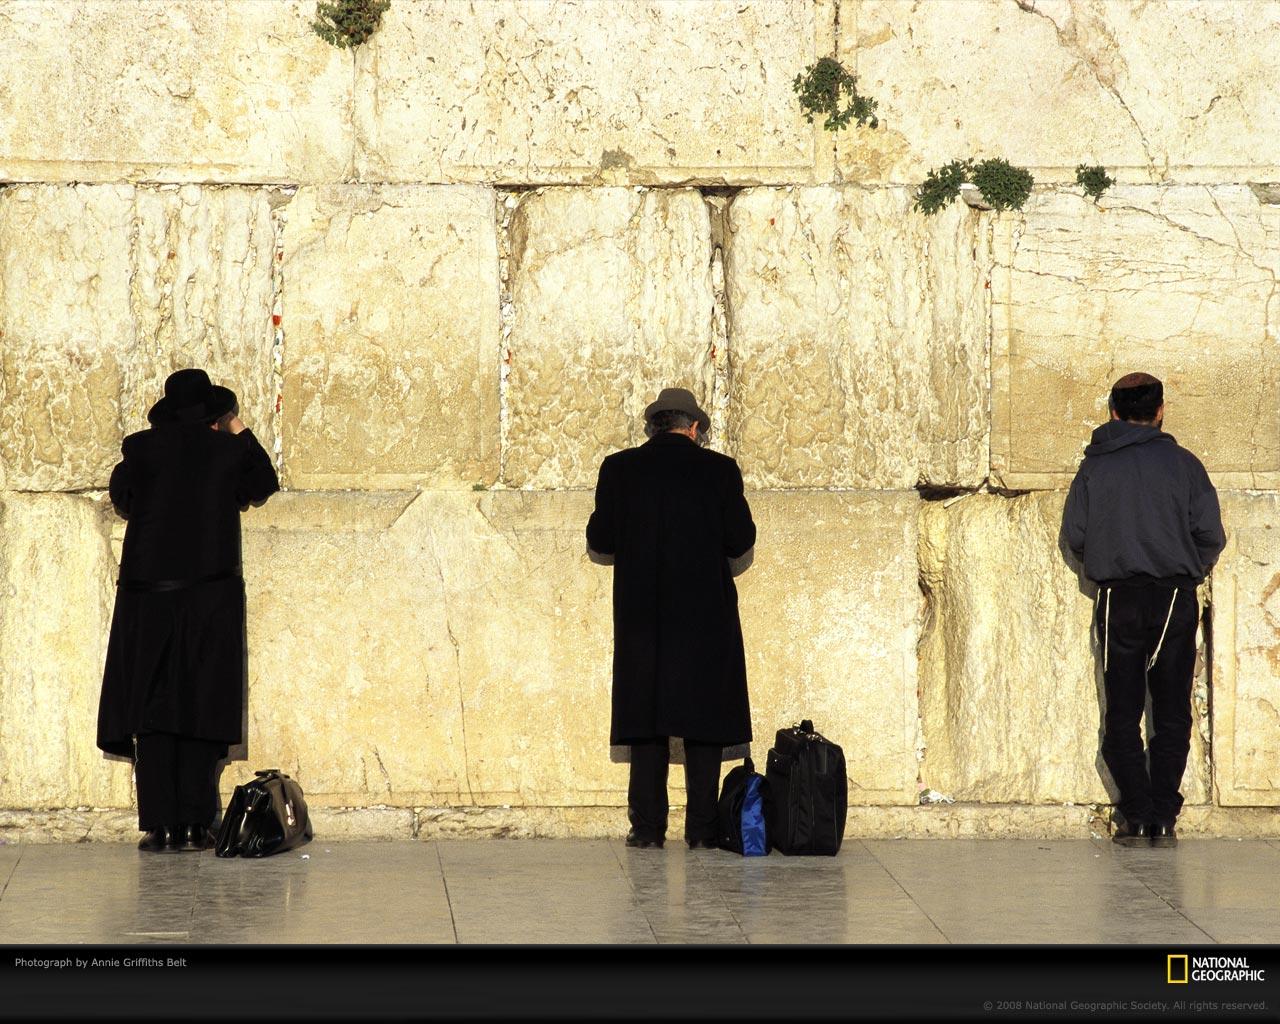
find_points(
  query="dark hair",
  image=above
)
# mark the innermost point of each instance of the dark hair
(668, 419)
(1137, 397)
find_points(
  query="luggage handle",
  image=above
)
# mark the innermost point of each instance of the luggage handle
(806, 726)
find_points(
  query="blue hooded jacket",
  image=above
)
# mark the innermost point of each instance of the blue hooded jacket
(1142, 510)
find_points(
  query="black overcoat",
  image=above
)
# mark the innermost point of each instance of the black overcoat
(672, 514)
(175, 660)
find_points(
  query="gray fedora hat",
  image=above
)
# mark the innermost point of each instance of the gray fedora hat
(678, 400)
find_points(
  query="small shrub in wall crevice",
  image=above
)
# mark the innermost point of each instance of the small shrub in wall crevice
(827, 88)
(1002, 185)
(1094, 181)
(348, 23)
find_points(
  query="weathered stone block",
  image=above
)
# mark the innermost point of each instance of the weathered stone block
(1050, 84)
(392, 337)
(540, 93)
(56, 595)
(1179, 282)
(612, 297)
(1011, 687)
(67, 333)
(857, 340)
(105, 290)
(467, 660)
(1246, 653)
(179, 90)
(830, 617)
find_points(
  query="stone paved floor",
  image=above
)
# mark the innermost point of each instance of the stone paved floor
(480, 891)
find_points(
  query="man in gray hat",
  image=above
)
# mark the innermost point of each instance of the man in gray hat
(672, 514)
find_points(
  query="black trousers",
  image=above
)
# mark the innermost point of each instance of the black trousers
(176, 780)
(647, 792)
(1148, 641)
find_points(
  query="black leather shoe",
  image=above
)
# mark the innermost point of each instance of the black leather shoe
(160, 840)
(1163, 835)
(194, 838)
(1132, 835)
(637, 842)
(703, 844)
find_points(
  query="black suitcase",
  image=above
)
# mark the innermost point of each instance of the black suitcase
(808, 792)
(265, 816)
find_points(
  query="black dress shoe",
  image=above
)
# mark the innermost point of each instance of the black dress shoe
(1163, 835)
(638, 842)
(1132, 835)
(194, 838)
(160, 840)
(703, 844)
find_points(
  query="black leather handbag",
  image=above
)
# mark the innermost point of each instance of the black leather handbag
(265, 816)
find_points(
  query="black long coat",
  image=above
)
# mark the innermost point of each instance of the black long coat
(672, 514)
(175, 660)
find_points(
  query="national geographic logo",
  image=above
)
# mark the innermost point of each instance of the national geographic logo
(1183, 969)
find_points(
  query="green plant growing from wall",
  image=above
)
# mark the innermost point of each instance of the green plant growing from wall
(941, 186)
(827, 88)
(1002, 185)
(348, 23)
(1094, 181)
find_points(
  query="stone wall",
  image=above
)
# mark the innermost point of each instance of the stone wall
(446, 273)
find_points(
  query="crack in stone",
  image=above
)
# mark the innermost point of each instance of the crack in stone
(1071, 44)
(457, 658)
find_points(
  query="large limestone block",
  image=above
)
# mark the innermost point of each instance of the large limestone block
(392, 337)
(56, 598)
(105, 290)
(1011, 688)
(830, 619)
(857, 340)
(171, 90)
(1163, 91)
(438, 648)
(612, 298)
(1179, 282)
(1246, 653)
(592, 92)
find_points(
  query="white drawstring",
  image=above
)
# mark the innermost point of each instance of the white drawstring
(1160, 643)
(1106, 629)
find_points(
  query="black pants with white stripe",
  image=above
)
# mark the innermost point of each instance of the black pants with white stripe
(1148, 640)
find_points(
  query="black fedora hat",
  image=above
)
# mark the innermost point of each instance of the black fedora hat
(190, 397)
(678, 400)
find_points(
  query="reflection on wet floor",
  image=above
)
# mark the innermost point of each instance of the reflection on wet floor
(484, 891)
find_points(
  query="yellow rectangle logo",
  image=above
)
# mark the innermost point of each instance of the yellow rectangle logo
(1180, 976)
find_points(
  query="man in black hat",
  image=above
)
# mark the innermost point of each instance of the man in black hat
(672, 514)
(172, 688)
(1143, 518)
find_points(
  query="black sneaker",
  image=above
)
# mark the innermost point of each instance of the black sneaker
(1163, 835)
(638, 842)
(1132, 835)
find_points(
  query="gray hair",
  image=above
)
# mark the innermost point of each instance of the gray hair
(668, 419)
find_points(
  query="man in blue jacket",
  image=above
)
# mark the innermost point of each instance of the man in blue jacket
(1143, 518)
